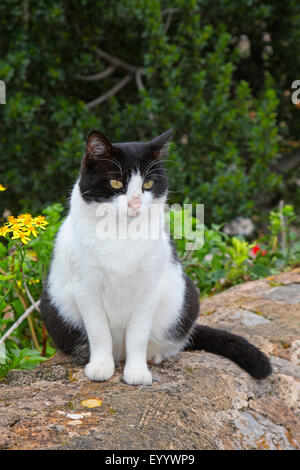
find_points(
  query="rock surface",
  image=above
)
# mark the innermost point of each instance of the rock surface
(197, 401)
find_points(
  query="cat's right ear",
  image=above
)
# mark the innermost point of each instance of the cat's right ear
(97, 146)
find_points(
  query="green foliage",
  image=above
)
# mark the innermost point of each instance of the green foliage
(28, 264)
(43, 245)
(16, 358)
(227, 106)
(223, 261)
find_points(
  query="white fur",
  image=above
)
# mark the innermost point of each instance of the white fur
(98, 146)
(127, 293)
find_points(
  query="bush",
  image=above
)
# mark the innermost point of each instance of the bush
(191, 73)
(224, 261)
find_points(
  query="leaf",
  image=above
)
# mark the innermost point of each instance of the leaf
(218, 274)
(6, 277)
(260, 270)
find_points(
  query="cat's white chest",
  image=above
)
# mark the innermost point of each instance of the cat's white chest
(123, 272)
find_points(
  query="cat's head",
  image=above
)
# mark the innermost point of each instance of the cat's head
(130, 176)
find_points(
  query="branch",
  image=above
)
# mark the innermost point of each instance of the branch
(138, 79)
(25, 306)
(33, 307)
(97, 76)
(131, 70)
(28, 293)
(169, 12)
(113, 91)
(117, 62)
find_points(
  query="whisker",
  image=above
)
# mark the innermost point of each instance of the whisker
(150, 165)
(170, 191)
(113, 161)
(156, 175)
(111, 173)
(153, 172)
(85, 192)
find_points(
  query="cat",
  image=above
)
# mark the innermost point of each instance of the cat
(127, 299)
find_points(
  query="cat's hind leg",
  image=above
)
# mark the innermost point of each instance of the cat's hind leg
(157, 353)
(67, 337)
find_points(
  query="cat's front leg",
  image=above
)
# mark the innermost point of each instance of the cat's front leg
(136, 370)
(101, 364)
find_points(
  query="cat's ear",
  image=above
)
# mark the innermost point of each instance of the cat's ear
(97, 146)
(160, 145)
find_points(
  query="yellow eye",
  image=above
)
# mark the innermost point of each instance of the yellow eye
(116, 184)
(148, 184)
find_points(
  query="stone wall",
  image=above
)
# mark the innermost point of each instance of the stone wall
(197, 401)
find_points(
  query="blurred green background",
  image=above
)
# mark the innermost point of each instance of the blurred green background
(219, 72)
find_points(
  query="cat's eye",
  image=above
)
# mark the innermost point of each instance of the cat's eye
(148, 184)
(116, 184)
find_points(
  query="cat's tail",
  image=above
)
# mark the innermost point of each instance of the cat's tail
(234, 347)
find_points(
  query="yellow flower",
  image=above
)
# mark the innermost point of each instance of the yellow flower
(25, 218)
(11, 219)
(31, 229)
(40, 221)
(16, 234)
(23, 236)
(23, 226)
(14, 223)
(2, 188)
(4, 230)
(34, 281)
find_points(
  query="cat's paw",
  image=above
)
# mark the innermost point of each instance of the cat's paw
(99, 371)
(137, 376)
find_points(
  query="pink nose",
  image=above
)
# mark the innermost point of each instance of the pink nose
(135, 203)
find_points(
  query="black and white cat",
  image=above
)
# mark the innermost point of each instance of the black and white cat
(128, 298)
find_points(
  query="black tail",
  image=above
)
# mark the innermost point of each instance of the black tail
(236, 348)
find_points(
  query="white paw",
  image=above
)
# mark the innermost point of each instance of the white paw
(137, 376)
(99, 371)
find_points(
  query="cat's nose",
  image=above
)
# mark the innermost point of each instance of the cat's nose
(135, 203)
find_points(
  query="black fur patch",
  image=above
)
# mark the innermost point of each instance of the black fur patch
(189, 313)
(66, 338)
(175, 258)
(234, 347)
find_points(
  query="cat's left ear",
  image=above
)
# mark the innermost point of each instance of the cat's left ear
(160, 145)
(97, 146)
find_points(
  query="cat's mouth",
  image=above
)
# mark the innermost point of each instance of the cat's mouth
(133, 212)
